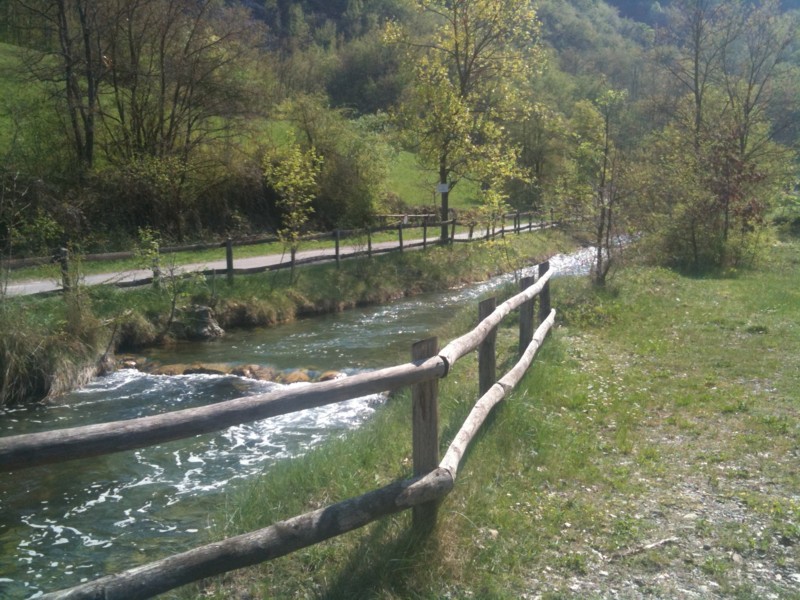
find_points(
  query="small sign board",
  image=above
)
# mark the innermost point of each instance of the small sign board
(442, 188)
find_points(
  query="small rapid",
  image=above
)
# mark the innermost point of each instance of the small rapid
(64, 524)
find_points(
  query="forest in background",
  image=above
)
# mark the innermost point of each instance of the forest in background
(197, 119)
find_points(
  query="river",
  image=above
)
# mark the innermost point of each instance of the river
(64, 524)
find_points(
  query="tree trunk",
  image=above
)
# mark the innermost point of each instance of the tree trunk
(445, 198)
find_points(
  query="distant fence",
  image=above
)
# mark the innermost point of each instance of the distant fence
(432, 478)
(388, 222)
(361, 240)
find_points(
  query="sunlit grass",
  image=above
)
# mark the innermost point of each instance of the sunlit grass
(416, 186)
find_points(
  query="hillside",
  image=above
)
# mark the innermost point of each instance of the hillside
(182, 135)
(652, 12)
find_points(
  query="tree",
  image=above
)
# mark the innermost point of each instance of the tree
(179, 73)
(353, 176)
(74, 65)
(292, 173)
(593, 183)
(691, 46)
(145, 77)
(730, 63)
(464, 87)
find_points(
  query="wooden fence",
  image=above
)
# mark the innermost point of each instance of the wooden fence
(432, 478)
(368, 248)
(386, 223)
(402, 224)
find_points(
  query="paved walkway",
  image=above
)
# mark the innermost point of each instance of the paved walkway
(130, 277)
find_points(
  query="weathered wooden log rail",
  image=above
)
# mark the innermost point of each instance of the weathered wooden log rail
(433, 479)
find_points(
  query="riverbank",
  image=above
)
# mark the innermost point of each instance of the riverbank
(650, 452)
(49, 345)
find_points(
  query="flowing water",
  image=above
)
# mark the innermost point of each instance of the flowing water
(64, 524)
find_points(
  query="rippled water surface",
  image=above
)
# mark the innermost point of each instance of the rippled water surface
(63, 524)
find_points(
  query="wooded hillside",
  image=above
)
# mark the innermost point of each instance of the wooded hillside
(182, 119)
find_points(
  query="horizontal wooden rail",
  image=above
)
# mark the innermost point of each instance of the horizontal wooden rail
(313, 527)
(489, 400)
(310, 528)
(21, 451)
(230, 272)
(262, 545)
(34, 261)
(465, 344)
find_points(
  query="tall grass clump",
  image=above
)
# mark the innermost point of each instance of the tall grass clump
(47, 351)
(25, 355)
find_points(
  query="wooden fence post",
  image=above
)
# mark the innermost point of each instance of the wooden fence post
(424, 233)
(526, 317)
(487, 357)
(502, 226)
(337, 235)
(400, 235)
(544, 296)
(453, 231)
(425, 431)
(63, 260)
(369, 242)
(530, 221)
(229, 259)
(517, 223)
(471, 229)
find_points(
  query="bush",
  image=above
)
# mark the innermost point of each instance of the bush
(36, 361)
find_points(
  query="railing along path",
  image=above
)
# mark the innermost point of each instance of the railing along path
(361, 244)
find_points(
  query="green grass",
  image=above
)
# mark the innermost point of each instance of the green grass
(8, 57)
(664, 407)
(13, 93)
(415, 186)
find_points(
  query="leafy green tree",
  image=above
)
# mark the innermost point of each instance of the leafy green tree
(592, 187)
(728, 58)
(354, 171)
(368, 77)
(293, 173)
(466, 78)
(152, 191)
(709, 199)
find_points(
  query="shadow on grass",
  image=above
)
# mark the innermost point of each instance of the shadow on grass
(393, 570)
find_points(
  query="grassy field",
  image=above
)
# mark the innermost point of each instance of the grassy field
(651, 451)
(415, 186)
(13, 94)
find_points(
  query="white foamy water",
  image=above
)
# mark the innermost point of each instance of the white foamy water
(65, 523)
